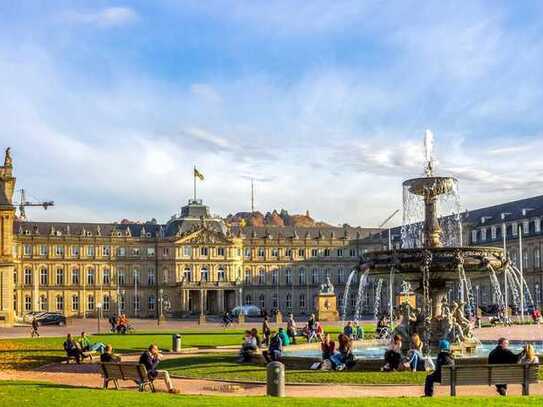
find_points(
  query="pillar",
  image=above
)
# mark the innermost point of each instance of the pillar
(220, 301)
(7, 264)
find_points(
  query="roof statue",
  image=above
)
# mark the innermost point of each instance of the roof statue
(8, 161)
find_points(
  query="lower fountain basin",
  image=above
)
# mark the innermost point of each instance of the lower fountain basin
(443, 261)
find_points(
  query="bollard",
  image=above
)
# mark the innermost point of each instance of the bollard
(275, 379)
(176, 343)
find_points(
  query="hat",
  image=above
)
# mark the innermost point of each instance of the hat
(444, 344)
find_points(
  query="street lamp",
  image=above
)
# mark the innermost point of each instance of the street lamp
(504, 235)
(99, 314)
(160, 302)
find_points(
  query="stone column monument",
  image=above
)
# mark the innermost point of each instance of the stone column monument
(7, 265)
(325, 303)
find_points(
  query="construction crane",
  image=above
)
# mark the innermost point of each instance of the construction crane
(23, 203)
(384, 223)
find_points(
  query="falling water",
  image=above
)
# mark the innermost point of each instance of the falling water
(521, 284)
(496, 286)
(360, 295)
(377, 306)
(465, 287)
(346, 295)
(512, 286)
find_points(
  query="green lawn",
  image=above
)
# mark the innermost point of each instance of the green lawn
(225, 367)
(51, 395)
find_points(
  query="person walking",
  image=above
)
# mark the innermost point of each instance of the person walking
(266, 330)
(444, 358)
(501, 354)
(35, 328)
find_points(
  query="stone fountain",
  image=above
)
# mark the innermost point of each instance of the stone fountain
(431, 264)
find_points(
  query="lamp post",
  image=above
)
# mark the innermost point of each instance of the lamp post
(504, 235)
(99, 314)
(521, 270)
(160, 302)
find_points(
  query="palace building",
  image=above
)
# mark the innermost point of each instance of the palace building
(197, 265)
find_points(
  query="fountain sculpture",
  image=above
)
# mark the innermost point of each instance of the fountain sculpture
(431, 259)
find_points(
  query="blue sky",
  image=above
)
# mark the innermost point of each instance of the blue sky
(108, 105)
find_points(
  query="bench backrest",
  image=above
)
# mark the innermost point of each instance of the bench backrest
(124, 371)
(489, 374)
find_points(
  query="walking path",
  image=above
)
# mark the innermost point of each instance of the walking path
(87, 375)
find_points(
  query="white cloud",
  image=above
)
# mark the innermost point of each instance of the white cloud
(107, 17)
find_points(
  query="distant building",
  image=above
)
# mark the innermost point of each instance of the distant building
(197, 264)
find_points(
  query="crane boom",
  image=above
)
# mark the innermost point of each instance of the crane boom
(389, 218)
(23, 203)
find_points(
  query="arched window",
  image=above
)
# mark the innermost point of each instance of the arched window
(187, 273)
(537, 258)
(106, 277)
(151, 278)
(247, 276)
(262, 301)
(221, 274)
(288, 277)
(301, 301)
(261, 276)
(275, 280)
(90, 277)
(314, 276)
(75, 277)
(204, 274)
(275, 300)
(60, 276)
(248, 300)
(301, 276)
(288, 302)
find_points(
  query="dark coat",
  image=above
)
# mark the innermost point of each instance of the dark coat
(443, 359)
(500, 355)
(150, 362)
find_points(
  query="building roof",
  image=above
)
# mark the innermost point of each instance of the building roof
(492, 214)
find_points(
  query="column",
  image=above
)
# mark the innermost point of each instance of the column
(35, 288)
(220, 301)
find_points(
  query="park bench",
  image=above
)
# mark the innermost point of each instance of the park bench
(84, 355)
(470, 375)
(136, 372)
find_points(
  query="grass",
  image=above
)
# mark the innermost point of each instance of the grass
(51, 395)
(225, 367)
(27, 353)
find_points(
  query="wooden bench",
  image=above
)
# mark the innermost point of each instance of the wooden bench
(471, 375)
(84, 355)
(113, 372)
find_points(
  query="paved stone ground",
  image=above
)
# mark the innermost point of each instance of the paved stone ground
(87, 375)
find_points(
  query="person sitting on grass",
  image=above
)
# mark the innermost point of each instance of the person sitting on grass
(266, 330)
(291, 328)
(328, 348)
(344, 357)
(258, 340)
(72, 348)
(415, 358)
(108, 356)
(248, 347)
(501, 354)
(358, 331)
(348, 330)
(275, 350)
(284, 337)
(444, 358)
(151, 359)
(393, 355)
(87, 346)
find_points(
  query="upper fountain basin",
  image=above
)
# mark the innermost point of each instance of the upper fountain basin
(432, 186)
(443, 261)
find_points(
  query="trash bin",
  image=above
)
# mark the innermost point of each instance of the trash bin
(275, 379)
(176, 343)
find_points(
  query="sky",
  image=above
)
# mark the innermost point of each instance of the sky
(107, 106)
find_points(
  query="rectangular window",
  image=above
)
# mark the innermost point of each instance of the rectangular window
(28, 303)
(474, 236)
(90, 251)
(261, 252)
(90, 277)
(314, 252)
(302, 301)
(105, 303)
(136, 303)
(288, 276)
(301, 277)
(75, 303)
(187, 251)
(44, 306)
(326, 252)
(151, 278)
(221, 274)
(44, 277)
(274, 252)
(220, 251)
(135, 251)
(106, 277)
(247, 252)
(247, 276)
(150, 251)
(75, 277)
(261, 277)
(514, 225)
(90, 303)
(43, 250)
(60, 277)
(28, 277)
(121, 278)
(483, 234)
(288, 252)
(75, 251)
(27, 249)
(151, 303)
(537, 223)
(274, 277)
(60, 303)
(340, 276)
(59, 250)
(352, 252)
(204, 251)
(301, 253)
(314, 276)
(339, 252)
(526, 227)
(493, 232)
(106, 251)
